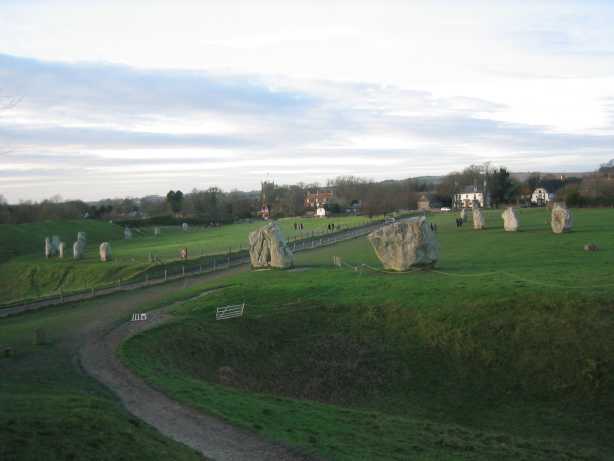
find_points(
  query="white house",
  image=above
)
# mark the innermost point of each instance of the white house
(321, 212)
(465, 198)
(541, 197)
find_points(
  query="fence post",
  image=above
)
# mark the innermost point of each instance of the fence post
(183, 271)
(200, 269)
(214, 263)
(165, 274)
(119, 282)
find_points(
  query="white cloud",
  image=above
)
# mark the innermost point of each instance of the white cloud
(228, 92)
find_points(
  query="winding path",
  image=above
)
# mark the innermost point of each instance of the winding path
(207, 434)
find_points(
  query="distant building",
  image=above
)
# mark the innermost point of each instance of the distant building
(424, 203)
(541, 197)
(264, 212)
(317, 199)
(465, 198)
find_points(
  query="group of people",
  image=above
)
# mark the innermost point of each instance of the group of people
(331, 226)
(298, 226)
(459, 222)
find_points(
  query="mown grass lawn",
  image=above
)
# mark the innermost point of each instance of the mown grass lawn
(505, 351)
(25, 273)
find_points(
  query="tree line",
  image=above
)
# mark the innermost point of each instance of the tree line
(350, 194)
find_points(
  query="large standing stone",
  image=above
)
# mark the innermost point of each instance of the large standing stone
(561, 220)
(478, 216)
(268, 248)
(510, 220)
(405, 244)
(127, 233)
(105, 251)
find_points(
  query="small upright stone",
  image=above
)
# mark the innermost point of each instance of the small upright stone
(48, 248)
(185, 226)
(510, 220)
(478, 216)
(61, 249)
(105, 251)
(55, 243)
(561, 220)
(405, 244)
(156, 231)
(268, 248)
(127, 233)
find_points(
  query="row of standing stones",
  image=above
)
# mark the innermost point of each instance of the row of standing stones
(401, 246)
(55, 247)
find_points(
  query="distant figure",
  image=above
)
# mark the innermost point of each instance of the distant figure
(332, 226)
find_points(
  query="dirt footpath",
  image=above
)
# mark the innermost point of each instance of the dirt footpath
(209, 435)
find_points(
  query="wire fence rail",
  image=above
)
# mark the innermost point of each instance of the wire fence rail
(177, 270)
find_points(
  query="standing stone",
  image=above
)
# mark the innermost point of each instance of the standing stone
(463, 214)
(185, 226)
(127, 233)
(48, 248)
(268, 248)
(78, 248)
(61, 249)
(478, 216)
(405, 244)
(156, 231)
(561, 220)
(510, 220)
(105, 251)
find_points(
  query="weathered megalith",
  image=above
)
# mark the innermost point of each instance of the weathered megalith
(61, 249)
(105, 251)
(127, 233)
(405, 244)
(478, 216)
(268, 248)
(561, 220)
(510, 220)
(185, 226)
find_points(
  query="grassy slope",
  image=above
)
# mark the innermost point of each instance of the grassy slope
(508, 354)
(29, 274)
(50, 410)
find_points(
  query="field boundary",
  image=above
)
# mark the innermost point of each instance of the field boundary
(178, 270)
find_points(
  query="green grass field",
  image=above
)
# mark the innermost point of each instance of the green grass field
(505, 351)
(51, 410)
(25, 273)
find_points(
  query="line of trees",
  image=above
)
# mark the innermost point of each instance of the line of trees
(213, 205)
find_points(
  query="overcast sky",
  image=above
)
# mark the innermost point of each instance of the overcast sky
(117, 98)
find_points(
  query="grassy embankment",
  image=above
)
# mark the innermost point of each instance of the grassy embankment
(50, 410)
(504, 352)
(25, 273)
